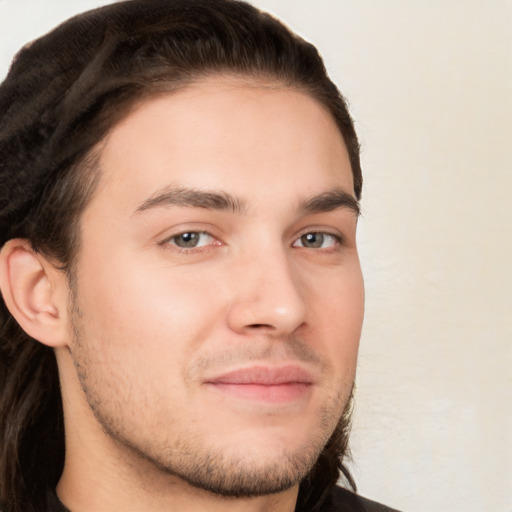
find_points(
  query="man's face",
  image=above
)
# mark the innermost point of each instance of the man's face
(219, 298)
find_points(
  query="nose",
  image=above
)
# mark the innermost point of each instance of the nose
(267, 296)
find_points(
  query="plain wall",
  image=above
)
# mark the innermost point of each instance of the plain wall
(430, 88)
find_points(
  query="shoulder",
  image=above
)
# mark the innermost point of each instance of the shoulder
(342, 500)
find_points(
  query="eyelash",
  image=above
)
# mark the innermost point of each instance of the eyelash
(337, 241)
(192, 249)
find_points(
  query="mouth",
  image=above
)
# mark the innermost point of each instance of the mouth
(272, 385)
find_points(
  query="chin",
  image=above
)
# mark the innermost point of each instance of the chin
(249, 478)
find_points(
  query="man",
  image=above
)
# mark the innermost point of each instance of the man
(182, 296)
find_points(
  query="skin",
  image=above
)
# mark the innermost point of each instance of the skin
(152, 422)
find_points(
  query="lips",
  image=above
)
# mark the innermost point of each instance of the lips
(265, 376)
(263, 383)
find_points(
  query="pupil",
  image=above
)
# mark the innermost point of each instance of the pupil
(313, 240)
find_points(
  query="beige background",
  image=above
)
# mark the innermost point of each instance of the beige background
(430, 87)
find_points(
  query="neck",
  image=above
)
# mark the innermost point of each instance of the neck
(102, 492)
(100, 478)
(104, 487)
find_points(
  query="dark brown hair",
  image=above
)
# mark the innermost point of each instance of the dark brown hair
(63, 93)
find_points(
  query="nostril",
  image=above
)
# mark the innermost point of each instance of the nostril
(260, 326)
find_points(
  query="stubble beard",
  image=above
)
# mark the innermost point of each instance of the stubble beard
(199, 465)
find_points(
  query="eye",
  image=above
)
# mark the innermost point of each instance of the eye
(317, 240)
(191, 239)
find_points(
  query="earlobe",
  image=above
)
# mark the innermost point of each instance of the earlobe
(35, 292)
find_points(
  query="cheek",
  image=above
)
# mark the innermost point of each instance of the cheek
(146, 304)
(337, 310)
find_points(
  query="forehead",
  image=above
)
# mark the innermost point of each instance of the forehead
(226, 133)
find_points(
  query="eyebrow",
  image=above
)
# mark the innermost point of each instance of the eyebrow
(329, 201)
(223, 201)
(193, 198)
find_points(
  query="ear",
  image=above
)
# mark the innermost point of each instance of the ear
(35, 292)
